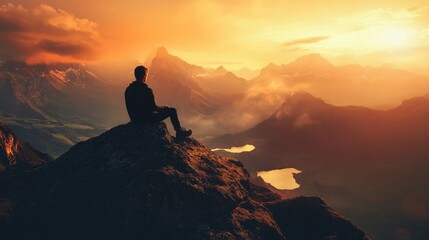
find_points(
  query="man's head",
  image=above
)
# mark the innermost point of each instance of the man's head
(140, 72)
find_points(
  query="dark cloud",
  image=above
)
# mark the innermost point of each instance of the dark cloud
(46, 34)
(64, 48)
(302, 41)
(8, 25)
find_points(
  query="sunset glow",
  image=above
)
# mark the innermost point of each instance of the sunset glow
(394, 37)
(214, 119)
(212, 33)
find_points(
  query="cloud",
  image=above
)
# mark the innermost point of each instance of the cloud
(384, 15)
(302, 41)
(64, 48)
(47, 34)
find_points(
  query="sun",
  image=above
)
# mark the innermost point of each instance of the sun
(394, 37)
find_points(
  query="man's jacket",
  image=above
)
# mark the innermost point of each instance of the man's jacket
(140, 102)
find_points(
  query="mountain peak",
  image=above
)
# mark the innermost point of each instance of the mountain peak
(221, 69)
(300, 104)
(137, 182)
(311, 57)
(269, 69)
(303, 98)
(166, 61)
(162, 52)
(311, 61)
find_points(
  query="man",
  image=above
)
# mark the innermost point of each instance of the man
(142, 108)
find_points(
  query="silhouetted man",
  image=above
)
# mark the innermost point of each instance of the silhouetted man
(142, 108)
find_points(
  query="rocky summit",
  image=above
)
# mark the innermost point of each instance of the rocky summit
(137, 182)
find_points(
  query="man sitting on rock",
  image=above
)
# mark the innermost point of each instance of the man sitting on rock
(142, 108)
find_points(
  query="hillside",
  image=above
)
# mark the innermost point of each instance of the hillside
(135, 182)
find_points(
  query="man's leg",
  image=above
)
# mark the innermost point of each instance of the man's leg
(165, 112)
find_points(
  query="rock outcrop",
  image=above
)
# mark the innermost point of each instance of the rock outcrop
(313, 215)
(137, 182)
(15, 154)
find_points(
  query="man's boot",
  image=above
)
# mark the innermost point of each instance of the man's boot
(183, 133)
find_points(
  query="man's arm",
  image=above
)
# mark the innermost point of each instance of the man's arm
(151, 101)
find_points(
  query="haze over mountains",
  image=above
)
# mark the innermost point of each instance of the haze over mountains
(247, 73)
(382, 87)
(220, 94)
(209, 98)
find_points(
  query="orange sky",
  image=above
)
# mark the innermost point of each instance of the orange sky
(233, 33)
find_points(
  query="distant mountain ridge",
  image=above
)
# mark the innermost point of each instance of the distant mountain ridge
(193, 89)
(55, 91)
(53, 106)
(340, 85)
(247, 73)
